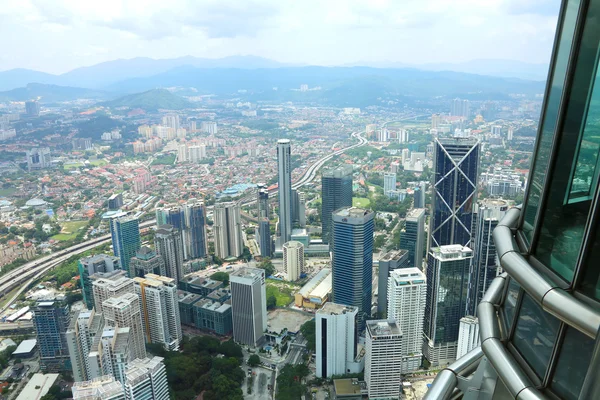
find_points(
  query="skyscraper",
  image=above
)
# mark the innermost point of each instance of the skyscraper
(540, 320)
(389, 183)
(264, 237)
(160, 310)
(146, 379)
(110, 284)
(406, 305)
(383, 366)
(352, 264)
(51, 319)
(454, 190)
(284, 175)
(169, 247)
(447, 286)
(413, 237)
(102, 388)
(336, 339)
(293, 260)
(32, 108)
(389, 262)
(146, 261)
(484, 269)
(248, 305)
(228, 230)
(89, 266)
(38, 158)
(336, 192)
(125, 311)
(468, 335)
(262, 200)
(125, 233)
(195, 233)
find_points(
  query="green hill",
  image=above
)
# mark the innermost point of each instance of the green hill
(151, 100)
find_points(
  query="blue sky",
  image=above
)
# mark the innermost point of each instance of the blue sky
(59, 35)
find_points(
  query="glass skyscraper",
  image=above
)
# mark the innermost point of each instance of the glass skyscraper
(413, 237)
(125, 233)
(284, 165)
(352, 264)
(539, 322)
(454, 190)
(195, 233)
(51, 318)
(336, 192)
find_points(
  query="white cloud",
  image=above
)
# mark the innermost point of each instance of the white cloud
(58, 35)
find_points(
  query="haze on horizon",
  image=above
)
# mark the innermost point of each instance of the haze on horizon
(56, 36)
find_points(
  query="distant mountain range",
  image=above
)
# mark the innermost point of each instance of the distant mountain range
(151, 100)
(51, 93)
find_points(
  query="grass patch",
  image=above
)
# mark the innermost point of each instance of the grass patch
(70, 230)
(361, 202)
(167, 159)
(7, 192)
(9, 296)
(283, 295)
(98, 163)
(73, 165)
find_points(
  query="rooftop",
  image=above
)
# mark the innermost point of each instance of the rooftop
(383, 328)
(26, 346)
(415, 213)
(330, 308)
(345, 387)
(407, 276)
(38, 386)
(248, 272)
(314, 282)
(354, 212)
(393, 255)
(451, 252)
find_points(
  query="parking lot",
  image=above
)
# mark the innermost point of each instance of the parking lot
(261, 379)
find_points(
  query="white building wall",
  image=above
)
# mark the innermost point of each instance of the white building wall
(468, 335)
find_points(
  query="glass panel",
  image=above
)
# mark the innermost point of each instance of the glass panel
(535, 335)
(573, 363)
(511, 302)
(548, 125)
(590, 284)
(575, 166)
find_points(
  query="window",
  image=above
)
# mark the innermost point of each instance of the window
(573, 363)
(535, 335)
(510, 302)
(548, 125)
(590, 284)
(575, 172)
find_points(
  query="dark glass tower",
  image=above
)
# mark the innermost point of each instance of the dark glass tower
(336, 192)
(352, 264)
(125, 232)
(195, 232)
(51, 319)
(454, 190)
(413, 237)
(263, 232)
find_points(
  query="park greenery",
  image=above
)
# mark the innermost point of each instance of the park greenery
(289, 382)
(308, 330)
(221, 276)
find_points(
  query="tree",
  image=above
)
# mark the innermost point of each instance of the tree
(308, 330)
(221, 276)
(271, 302)
(254, 360)
(231, 349)
(267, 265)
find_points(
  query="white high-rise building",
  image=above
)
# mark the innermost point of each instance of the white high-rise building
(182, 153)
(38, 158)
(383, 367)
(171, 121)
(125, 311)
(168, 242)
(405, 156)
(209, 127)
(468, 335)
(197, 153)
(84, 326)
(510, 133)
(284, 176)
(406, 305)
(228, 230)
(248, 305)
(336, 339)
(102, 388)
(293, 260)
(160, 310)
(403, 136)
(147, 379)
(389, 183)
(105, 286)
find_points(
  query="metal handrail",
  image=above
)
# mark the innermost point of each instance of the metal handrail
(446, 380)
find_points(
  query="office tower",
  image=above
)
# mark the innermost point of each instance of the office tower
(146, 261)
(435, 121)
(454, 190)
(171, 121)
(248, 305)
(125, 233)
(115, 201)
(468, 335)
(460, 108)
(447, 287)
(293, 260)
(407, 291)
(102, 388)
(548, 301)
(197, 153)
(169, 247)
(413, 237)
(484, 269)
(146, 379)
(352, 262)
(383, 366)
(389, 183)
(336, 339)
(209, 127)
(91, 265)
(284, 178)
(419, 195)
(389, 262)
(51, 318)
(336, 192)
(160, 310)
(262, 200)
(38, 158)
(32, 108)
(110, 284)
(195, 233)
(264, 237)
(228, 230)
(125, 312)
(301, 210)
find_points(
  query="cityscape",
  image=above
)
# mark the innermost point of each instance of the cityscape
(240, 228)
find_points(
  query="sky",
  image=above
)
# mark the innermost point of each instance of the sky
(59, 35)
